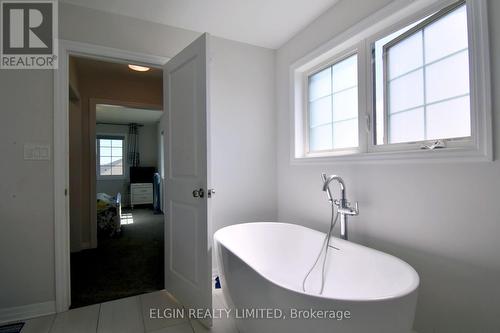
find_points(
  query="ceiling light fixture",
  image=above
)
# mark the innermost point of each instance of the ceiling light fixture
(139, 68)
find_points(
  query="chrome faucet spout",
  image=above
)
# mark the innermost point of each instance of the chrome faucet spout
(331, 178)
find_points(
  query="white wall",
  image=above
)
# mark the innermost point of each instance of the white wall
(26, 196)
(243, 133)
(26, 189)
(444, 219)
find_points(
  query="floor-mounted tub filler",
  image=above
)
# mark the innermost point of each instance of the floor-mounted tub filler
(263, 265)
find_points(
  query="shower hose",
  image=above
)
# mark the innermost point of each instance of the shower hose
(324, 248)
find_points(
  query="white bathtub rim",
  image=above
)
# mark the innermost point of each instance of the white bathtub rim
(413, 288)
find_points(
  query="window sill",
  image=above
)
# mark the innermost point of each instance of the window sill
(111, 178)
(442, 155)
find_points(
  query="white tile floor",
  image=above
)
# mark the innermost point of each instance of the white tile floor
(127, 315)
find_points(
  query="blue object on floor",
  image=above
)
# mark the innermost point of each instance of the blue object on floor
(156, 194)
(217, 283)
(12, 328)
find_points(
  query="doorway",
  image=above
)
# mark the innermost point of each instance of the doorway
(116, 219)
(188, 265)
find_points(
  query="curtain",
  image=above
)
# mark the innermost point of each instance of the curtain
(133, 145)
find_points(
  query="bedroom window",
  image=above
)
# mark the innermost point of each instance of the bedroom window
(110, 153)
(413, 85)
(333, 106)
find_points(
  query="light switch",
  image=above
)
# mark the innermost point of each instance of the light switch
(36, 151)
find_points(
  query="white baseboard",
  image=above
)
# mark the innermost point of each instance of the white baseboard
(27, 311)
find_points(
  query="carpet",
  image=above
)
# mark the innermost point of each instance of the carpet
(11, 328)
(128, 265)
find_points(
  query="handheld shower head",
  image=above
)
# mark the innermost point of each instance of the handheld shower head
(326, 188)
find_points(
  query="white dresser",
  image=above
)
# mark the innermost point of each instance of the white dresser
(141, 193)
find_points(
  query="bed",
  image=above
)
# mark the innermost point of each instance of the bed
(109, 214)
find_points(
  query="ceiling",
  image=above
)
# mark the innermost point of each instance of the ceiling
(116, 114)
(89, 65)
(267, 23)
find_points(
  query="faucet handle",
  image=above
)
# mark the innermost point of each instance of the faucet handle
(353, 211)
(356, 208)
(348, 210)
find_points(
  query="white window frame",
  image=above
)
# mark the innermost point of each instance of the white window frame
(115, 136)
(360, 37)
(455, 141)
(316, 69)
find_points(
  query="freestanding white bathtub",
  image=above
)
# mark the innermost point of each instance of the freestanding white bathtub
(262, 267)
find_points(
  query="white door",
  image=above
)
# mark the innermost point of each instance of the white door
(188, 261)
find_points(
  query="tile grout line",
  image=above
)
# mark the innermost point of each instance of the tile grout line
(188, 319)
(142, 313)
(52, 322)
(98, 318)
(191, 325)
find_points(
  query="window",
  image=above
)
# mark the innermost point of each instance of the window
(425, 75)
(415, 78)
(110, 152)
(333, 106)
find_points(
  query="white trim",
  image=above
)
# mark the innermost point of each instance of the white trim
(481, 76)
(338, 58)
(27, 311)
(112, 54)
(383, 22)
(61, 151)
(61, 183)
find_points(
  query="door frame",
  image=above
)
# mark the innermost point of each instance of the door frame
(61, 151)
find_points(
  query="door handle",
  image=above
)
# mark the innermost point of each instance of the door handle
(200, 193)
